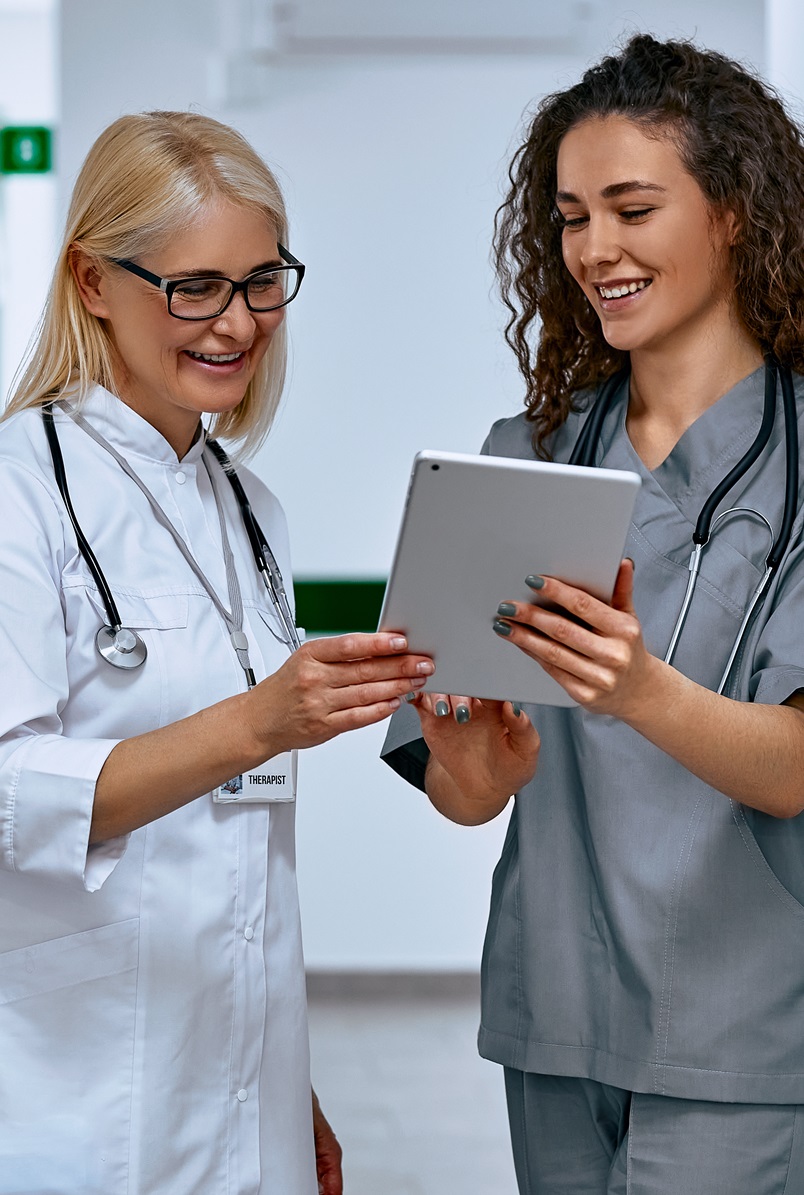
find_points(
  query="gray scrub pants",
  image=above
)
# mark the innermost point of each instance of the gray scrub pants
(577, 1137)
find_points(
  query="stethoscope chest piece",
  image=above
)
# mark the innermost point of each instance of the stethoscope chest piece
(122, 648)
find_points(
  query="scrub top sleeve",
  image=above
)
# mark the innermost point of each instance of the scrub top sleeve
(47, 780)
(778, 656)
(513, 437)
(487, 448)
(404, 749)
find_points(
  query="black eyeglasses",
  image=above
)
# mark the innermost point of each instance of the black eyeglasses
(204, 298)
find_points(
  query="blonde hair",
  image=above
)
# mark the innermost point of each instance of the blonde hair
(146, 176)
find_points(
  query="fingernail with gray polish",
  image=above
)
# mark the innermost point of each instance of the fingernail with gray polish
(441, 709)
(501, 628)
(462, 714)
(507, 608)
(534, 582)
(517, 708)
(410, 697)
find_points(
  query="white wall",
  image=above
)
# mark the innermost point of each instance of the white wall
(28, 96)
(392, 169)
(784, 37)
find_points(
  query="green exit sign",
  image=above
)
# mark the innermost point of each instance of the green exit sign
(25, 149)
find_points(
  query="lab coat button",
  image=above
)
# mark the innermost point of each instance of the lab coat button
(242, 1095)
(248, 933)
(181, 477)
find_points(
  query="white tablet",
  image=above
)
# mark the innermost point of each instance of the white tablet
(473, 528)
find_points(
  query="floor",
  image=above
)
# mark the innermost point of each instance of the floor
(396, 1068)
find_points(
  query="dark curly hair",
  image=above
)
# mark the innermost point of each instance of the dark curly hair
(744, 151)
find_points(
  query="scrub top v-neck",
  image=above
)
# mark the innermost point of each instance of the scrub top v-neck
(645, 931)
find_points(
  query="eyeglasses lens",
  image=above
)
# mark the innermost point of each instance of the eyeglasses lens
(200, 298)
(272, 289)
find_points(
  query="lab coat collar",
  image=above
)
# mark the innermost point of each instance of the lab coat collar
(129, 432)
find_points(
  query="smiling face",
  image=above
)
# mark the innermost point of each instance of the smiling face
(640, 238)
(168, 370)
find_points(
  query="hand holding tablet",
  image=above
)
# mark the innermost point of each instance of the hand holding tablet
(474, 528)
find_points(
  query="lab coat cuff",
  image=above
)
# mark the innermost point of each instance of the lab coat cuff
(49, 812)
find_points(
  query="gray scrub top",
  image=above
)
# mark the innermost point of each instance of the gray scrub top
(646, 931)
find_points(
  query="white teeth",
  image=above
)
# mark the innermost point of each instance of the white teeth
(216, 357)
(617, 292)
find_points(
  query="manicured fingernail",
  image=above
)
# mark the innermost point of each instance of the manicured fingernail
(501, 628)
(399, 644)
(425, 667)
(410, 697)
(630, 559)
(517, 708)
(462, 714)
(441, 709)
(534, 582)
(507, 608)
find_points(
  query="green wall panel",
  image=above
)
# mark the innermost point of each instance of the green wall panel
(334, 605)
(25, 149)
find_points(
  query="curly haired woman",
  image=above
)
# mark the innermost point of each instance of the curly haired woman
(643, 974)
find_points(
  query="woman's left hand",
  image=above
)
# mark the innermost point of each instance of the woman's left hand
(597, 655)
(749, 751)
(328, 1153)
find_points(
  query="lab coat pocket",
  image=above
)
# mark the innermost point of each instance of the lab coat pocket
(67, 1048)
(145, 610)
(118, 702)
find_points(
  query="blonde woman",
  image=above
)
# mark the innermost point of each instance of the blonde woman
(152, 1004)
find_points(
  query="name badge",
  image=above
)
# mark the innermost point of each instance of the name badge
(273, 781)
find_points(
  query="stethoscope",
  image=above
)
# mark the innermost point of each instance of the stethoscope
(585, 451)
(124, 648)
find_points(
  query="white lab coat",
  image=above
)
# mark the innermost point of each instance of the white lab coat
(153, 1032)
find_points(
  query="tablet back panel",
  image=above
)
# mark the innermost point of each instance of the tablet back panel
(473, 528)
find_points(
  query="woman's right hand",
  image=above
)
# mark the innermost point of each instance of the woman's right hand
(481, 753)
(327, 686)
(332, 685)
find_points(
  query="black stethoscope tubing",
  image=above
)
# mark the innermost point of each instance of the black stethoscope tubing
(587, 443)
(585, 451)
(109, 603)
(588, 440)
(135, 652)
(263, 556)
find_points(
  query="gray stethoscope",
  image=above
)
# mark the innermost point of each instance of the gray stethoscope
(120, 646)
(585, 451)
